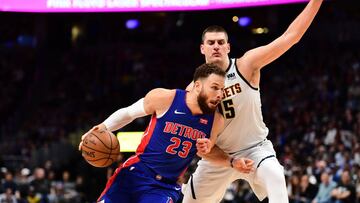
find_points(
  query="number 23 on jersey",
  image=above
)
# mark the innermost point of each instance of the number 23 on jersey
(182, 149)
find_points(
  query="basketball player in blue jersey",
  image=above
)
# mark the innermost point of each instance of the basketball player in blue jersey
(181, 125)
(245, 134)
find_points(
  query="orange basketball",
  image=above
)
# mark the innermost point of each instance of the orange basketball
(100, 148)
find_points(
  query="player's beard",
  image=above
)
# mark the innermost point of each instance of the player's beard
(202, 98)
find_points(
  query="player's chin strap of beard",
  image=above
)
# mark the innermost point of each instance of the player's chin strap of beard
(124, 116)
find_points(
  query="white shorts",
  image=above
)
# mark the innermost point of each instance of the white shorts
(209, 181)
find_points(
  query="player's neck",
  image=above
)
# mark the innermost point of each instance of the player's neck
(223, 64)
(192, 103)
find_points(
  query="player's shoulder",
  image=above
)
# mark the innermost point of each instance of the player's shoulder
(159, 99)
(162, 92)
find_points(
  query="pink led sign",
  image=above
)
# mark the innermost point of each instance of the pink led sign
(129, 5)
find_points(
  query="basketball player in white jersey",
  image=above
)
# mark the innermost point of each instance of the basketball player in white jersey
(245, 133)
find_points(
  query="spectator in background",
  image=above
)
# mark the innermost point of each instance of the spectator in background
(8, 196)
(32, 196)
(321, 166)
(9, 183)
(345, 191)
(80, 188)
(357, 185)
(22, 181)
(307, 190)
(70, 193)
(41, 185)
(326, 186)
(293, 188)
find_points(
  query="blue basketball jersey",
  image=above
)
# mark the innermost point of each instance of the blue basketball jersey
(166, 149)
(169, 143)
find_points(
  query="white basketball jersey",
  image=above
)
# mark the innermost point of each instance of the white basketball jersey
(241, 107)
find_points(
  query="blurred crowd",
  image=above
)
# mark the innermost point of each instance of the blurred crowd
(54, 91)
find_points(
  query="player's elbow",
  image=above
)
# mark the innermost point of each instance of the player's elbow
(296, 39)
(292, 38)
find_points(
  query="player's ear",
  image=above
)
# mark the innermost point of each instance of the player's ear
(228, 47)
(202, 48)
(197, 85)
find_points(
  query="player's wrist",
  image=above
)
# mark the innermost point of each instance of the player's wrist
(101, 126)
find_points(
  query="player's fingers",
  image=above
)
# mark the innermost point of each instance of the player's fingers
(84, 136)
(249, 162)
(202, 148)
(202, 151)
(202, 145)
(250, 170)
(200, 141)
(205, 149)
(240, 162)
(199, 146)
(244, 170)
(208, 143)
(203, 142)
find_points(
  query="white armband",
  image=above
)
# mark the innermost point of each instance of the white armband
(124, 116)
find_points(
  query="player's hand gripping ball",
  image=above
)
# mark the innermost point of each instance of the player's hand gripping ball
(100, 148)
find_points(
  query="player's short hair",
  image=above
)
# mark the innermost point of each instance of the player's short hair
(206, 69)
(214, 28)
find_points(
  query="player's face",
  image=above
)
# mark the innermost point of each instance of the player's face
(211, 93)
(215, 47)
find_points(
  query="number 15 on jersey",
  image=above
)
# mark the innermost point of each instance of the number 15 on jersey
(227, 108)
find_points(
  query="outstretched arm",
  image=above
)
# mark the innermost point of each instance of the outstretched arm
(156, 101)
(257, 58)
(126, 115)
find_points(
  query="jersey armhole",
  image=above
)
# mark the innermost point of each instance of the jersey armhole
(243, 78)
(163, 114)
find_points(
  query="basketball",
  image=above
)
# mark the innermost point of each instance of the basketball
(100, 148)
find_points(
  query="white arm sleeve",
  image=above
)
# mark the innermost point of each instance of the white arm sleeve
(124, 116)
